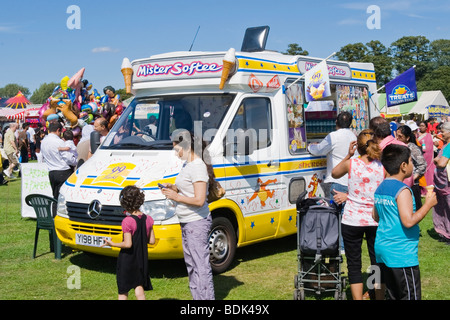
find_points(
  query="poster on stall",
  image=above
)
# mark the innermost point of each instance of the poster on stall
(354, 99)
(295, 115)
(34, 180)
(317, 82)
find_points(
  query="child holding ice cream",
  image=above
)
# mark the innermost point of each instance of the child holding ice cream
(397, 237)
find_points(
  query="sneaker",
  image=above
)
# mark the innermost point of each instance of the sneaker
(8, 174)
(4, 183)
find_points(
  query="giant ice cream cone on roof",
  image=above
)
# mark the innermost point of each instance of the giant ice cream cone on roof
(127, 71)
(228, 63)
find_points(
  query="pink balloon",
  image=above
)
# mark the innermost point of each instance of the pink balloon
(44, 107)
(75, 83)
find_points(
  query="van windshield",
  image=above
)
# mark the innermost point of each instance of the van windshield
(147, 123)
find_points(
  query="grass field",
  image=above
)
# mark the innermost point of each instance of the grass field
(263, 271)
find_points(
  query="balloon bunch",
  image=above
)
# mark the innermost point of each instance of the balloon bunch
(73, 103)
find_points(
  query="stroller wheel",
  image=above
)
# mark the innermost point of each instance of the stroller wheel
(338, 295)
(299, 294)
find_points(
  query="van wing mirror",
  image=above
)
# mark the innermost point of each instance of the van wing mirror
(95, 140)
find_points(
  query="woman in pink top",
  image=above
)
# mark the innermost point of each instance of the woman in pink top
(365, 173)
(425, 140)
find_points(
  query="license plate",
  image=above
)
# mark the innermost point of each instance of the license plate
(90, 240)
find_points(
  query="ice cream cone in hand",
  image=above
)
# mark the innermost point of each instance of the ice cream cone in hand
(127, 71)
(228, 64)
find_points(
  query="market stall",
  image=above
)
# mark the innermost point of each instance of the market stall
(429, 104)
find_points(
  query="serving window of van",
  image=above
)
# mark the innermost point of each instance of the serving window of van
(312, 121)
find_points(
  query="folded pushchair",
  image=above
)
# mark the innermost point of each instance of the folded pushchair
(318, 248)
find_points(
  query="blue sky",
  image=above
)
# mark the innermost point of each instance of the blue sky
(36, 46)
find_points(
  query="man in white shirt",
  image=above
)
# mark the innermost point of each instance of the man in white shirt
(32, 139)
(335, 147)
(59, 170)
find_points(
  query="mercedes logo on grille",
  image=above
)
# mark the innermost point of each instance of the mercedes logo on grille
(94, 209)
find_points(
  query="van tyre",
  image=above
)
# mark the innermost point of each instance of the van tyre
(222, 244)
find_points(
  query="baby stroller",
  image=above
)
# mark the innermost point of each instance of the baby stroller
(318, 248)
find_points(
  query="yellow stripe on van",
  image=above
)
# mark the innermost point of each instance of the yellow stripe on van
(246, 63)
(363, 75)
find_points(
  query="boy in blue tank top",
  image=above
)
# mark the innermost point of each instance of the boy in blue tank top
(397, 238)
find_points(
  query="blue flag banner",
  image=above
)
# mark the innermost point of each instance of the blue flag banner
(402, 89)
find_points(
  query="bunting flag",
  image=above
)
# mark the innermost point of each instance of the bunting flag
(402, 89)
(317, 82)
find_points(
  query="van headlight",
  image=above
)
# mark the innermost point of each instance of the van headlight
(160, 209)
(61, 209)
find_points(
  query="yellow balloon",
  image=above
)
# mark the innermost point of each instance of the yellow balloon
(64, 82)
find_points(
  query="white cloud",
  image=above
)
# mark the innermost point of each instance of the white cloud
(8, 29)
(104, 49)
(350, 22)
(413, 15)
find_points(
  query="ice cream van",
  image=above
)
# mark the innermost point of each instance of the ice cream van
(253, 114)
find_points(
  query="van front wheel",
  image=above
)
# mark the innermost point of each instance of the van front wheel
(222, 244)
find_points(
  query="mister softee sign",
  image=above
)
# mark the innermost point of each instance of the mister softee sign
(165, 69)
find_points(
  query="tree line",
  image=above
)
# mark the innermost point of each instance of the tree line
(431, 58)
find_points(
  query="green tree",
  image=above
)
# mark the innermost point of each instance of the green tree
(294, 49)
(438, 79)
(10, 90)
(374, 52)
(409, 51)
(41, 94)
(355, 52)
(440, 53)
(123, 94)
(380, 56)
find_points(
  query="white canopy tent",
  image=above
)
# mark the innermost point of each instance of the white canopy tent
(425, 99)
(429, 98)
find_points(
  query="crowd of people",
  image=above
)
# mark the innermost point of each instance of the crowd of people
(385, 180)
(388, 169)
(53, 145)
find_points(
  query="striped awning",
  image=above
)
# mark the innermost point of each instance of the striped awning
(12, 114)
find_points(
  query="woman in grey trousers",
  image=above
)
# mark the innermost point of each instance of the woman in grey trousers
(190, 193)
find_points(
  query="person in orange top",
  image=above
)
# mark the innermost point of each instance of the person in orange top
(438, 140)
(432, 124)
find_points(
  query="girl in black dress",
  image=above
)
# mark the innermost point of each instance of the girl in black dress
(132, 263)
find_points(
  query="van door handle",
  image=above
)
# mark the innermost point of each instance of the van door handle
(273, 163)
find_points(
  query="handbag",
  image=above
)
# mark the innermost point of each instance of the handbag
(448, 170)
(215, 191)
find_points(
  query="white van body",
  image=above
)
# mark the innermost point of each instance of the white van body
(263, 178)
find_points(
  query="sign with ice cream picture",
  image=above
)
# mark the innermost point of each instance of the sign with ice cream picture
(317, 82)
